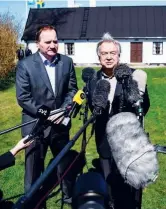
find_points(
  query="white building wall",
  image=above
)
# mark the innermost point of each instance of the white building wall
(32, 46)
(125, 51)
(148, 56)
(85, 51)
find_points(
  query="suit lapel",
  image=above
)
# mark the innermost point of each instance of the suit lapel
(58, 74)
(42, 71)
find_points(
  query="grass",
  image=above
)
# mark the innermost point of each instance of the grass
(11, 179)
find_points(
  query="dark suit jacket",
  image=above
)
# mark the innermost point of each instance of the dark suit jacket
(101, 121)
(33, 88)
(6, 160)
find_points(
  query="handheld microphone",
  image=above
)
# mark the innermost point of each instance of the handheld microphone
(100, 96)
(140, 77)
(132, 150)
(87, 74)
(42, 114)
(78, 99)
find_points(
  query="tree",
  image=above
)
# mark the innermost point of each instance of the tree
(9, 32)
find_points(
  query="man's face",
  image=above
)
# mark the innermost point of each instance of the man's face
(108, 55)
(48, 43)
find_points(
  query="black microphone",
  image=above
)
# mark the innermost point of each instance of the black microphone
(100, 96)
(133, 153)
(123, 75)
(87, 74)
(42, 114)
(122, 72)
(132, 92)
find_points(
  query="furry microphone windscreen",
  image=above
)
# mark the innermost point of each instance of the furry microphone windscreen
(132, 150)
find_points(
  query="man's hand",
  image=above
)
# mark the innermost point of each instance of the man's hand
(54, 119)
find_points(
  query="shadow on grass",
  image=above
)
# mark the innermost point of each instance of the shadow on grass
(13, 197)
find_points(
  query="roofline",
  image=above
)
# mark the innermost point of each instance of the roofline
(63, 39)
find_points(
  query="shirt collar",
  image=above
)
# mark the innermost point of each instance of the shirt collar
(46, 61)
(106, 76)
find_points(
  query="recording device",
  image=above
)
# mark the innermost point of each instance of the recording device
(132, 150)
(90, 191)
(100, 96)
(42, 114)
(87, 74)
(78, 99)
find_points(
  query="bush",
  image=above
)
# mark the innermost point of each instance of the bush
(9, 33)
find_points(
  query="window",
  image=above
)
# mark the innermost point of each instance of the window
(69, 48)
(157, 48)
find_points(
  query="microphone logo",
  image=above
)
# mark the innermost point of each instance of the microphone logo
(43, 112)
(79, 97)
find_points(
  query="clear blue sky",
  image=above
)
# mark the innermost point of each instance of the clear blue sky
(19, 8)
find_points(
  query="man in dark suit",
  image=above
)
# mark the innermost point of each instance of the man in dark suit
(121, 194)
(45, 78)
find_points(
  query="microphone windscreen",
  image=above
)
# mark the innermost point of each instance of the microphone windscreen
(122, 71)
(100, 95)
(140, 77)
(132, 151)
(132, 91)
(87, 74)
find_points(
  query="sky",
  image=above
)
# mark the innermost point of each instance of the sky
(20, 8)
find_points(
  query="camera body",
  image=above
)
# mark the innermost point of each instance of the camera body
(90, 191)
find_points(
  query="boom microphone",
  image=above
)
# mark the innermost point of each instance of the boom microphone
(140, 77)
(132, 151)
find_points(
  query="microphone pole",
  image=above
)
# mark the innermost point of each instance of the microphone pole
(32, 121)
(21, 203)
(85, 118)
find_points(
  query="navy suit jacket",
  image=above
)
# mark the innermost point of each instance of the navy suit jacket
(101, 121)
(33, 87)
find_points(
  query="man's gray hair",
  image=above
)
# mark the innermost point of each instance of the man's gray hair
(108, 38)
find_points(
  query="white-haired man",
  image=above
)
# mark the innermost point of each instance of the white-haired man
(121, 194)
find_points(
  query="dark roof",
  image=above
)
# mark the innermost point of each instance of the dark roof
(92, 22)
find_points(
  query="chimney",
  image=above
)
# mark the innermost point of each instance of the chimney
(92, 3)
(71, 3)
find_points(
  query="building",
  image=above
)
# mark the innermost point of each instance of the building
(141, 30)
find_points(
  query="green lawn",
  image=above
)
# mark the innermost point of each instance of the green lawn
(11, 179)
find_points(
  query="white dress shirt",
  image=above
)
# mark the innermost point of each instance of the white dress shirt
(50, 68)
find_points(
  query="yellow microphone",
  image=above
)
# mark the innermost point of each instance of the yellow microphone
(78, 99)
